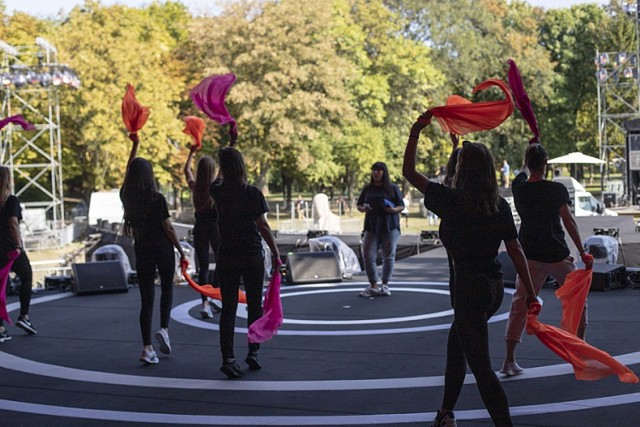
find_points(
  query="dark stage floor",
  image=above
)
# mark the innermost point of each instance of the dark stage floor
(338, 360)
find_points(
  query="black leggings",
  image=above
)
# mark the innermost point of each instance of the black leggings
(22, 267)
(469, 343)
(229, 271)
(148, 258)
(205, 235)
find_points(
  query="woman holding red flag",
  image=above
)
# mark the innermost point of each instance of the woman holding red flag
(475, 220)
(146, 217)
(205, 229)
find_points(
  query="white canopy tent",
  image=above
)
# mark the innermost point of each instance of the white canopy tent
(576, 157)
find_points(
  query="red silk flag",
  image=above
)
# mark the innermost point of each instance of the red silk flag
(209, 96)
(194, 126)
(522, 100)
(268, 325)
(589, 363)
(461, 116)
(4, 278)
(207, 290)
(134, 114)
(573, 295)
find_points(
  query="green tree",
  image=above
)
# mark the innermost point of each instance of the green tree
(108, 47)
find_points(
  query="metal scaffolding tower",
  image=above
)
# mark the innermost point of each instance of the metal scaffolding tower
(30, 84)
(618, 86)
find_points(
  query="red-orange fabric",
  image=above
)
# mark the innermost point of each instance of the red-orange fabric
(194, 126)
(134, 114)
(589, 363)
(461, 116)
(573, 295)
(208, 290)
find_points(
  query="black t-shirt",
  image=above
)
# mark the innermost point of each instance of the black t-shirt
(377, 220)
(146, 213)
(238, 208)
(473, 239)
(538, 204)
(10, 209)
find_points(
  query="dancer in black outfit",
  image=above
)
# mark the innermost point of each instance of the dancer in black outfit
(10, 239)
(146, 217)
(241, 220)
(205, 229)
(474, 222)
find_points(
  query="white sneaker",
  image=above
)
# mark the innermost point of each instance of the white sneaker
(149, 357)
(163, 340)
(369, 292)
(384, 290)
(205, 311)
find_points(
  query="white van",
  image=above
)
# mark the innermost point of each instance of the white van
(584, 204)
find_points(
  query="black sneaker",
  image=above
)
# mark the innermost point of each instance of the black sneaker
(231, 369)
(25, 324)
(252, 361)
(444, 420)
(4, 336)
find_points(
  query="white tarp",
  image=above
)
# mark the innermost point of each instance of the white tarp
(349, 263)
(576, 157)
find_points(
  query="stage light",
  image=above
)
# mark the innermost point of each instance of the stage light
(5, 79)
(19, 77)
(628, 73)
(56, 78)
(603, 59)
(602, 75)
(45, 79)
(33, 77)
(622, 57)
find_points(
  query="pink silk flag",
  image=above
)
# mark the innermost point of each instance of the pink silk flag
(461, 116)
(522, 100)
(18, 120)
(4, 278)
(134, 114)
(573, 295)
(208, 290)
(194, 126)
(268, 325)
(209, 96)
(589, 363)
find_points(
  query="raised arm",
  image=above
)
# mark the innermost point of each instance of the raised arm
(409, 171)
(134, 148)
(188, 174)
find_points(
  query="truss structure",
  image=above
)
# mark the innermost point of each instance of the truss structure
(30, 84)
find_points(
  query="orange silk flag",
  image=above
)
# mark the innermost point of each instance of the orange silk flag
(194, 126)
(461, 116)
(208, 290)
(134, 114)
(589, 363)
(573, 295)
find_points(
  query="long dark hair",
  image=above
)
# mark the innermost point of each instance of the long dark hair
(137, 190)
(205, 174)
(386, 181)
(476, 177)
(5, 184)
(232, 167)
(451, 167)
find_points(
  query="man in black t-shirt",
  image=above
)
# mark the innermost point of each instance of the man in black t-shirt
(542, 206)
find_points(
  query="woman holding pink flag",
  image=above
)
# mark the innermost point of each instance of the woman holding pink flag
(10, 240)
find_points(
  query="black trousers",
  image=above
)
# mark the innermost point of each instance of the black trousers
(205, 235)
(149, 259)
(22, 267)
(229, 272)
(468, 343)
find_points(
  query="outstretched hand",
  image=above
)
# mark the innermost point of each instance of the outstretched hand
(233, 138)
(133, 136)
(455, 140)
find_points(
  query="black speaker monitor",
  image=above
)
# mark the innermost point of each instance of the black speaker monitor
(313, 267)
(99, 277)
